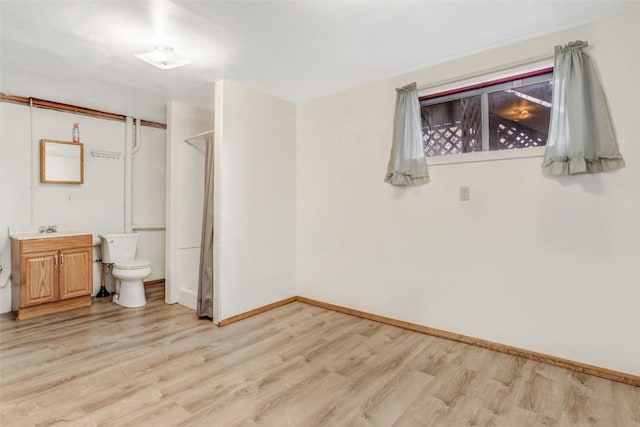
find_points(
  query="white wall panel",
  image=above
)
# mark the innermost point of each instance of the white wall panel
(255, 134)
(15, 183)
(149, 178)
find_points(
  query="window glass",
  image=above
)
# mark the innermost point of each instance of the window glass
(504, 114)
(519, 117)
(452, 127)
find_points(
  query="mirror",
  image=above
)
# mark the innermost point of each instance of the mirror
(61, 162)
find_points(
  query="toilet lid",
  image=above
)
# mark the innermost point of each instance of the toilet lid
(136, 264)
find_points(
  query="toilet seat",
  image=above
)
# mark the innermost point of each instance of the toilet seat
(136, 264)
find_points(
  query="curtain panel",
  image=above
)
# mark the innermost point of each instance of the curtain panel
(407, 163)
(204, 305)
(581, 136)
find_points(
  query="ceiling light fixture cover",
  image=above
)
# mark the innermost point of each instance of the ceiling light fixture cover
(163, 57)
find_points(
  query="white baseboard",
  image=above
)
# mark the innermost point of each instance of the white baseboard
(188, 298)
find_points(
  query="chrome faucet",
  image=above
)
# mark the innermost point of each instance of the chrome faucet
(48, 229)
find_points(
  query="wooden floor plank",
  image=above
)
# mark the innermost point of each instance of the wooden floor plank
(297, 365)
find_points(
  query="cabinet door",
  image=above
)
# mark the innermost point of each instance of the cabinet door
(40, 278)
(76, 278)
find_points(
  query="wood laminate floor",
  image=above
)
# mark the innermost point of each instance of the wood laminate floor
(298, 365)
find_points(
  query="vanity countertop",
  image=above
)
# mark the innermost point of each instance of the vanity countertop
(29, 232)
(38, 235)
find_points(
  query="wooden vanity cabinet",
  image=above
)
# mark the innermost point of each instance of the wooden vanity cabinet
(51, 274)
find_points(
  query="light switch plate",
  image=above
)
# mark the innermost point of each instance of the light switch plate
(465, 192)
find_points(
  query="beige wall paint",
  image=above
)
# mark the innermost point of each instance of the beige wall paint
(256, 141)
(550, 265)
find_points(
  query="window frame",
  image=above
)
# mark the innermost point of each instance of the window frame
(459, 89)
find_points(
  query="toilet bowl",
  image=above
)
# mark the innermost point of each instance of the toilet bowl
(120, 250)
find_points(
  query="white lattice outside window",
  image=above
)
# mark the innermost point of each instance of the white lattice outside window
(503, 114)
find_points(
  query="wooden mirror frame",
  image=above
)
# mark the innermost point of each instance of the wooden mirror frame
(43, 163)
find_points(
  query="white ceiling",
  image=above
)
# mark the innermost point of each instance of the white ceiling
(81, 52)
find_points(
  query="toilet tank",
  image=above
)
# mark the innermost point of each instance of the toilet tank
(118, 248)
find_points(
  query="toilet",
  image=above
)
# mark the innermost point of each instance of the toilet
(120, 250)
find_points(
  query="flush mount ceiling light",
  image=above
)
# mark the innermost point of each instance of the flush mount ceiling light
(164, 58)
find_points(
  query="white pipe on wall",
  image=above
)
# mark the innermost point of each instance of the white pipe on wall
(137, 142)
(148, 227)
(128, 175)
(136, 146)
(34, 167)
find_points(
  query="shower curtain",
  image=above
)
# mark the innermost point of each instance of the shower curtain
(204, 307)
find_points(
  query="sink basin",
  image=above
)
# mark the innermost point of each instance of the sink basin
(37, 235)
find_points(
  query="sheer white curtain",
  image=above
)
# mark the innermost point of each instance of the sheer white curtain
(407, 163)
(581, 136)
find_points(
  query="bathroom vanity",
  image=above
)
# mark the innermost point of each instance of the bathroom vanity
(50, 273)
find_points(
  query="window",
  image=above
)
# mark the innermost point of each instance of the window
(497, 115)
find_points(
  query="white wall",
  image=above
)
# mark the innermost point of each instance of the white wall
(149, 177)
(256, 142)
(15, 182)
(94, 205)
(97, 205)
(549, 265)
(185, 185)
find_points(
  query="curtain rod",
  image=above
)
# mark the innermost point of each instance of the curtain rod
(199, 135)
(483, 73)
